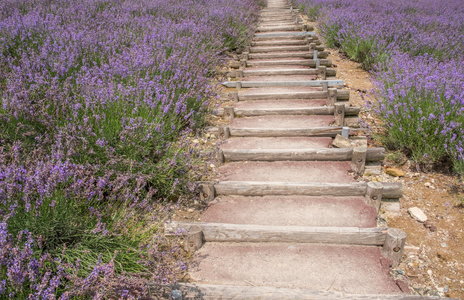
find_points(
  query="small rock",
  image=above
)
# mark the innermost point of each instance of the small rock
(433, 228)
(417, 214)
(401, 272)
(190, 210)
(195, 141)
(429, 185)
(395, 172)
(420, 291)
(442, 255)
(385, 262)
(341, 142)
(411, 249)
(427, 224)
(404, 287)
(444, 245)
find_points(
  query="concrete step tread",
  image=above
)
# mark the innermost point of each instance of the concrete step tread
(287, 171)
(349, 269)
(276, 143)
(248, 292)
(291, 211)
(284, 122)
(280, 78)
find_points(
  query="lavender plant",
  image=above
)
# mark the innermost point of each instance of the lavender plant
(414, 49)
(97, 99)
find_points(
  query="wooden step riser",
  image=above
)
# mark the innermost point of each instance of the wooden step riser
(277, 20)
(279, 38)
(288, 48)
(277, 17)
(277, 72)
(299, 83)
(265, 36)
(277, 14)
(270, 132)
(226, 132)
(324, 110)
(230, 292)
(286, 22)
(279, 28)
(306, 63)
(306, 55)
(256, 188)
(325, 154)
(219, 232)
(341, 95)
(280, 43)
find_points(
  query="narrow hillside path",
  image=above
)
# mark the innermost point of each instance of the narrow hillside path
(288, 216)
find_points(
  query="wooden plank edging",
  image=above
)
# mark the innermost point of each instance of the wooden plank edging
(262, 188)
(222, 232)
(230, 292)
(391, 190)
(319, 110)
(318, 154)
(308, 83)
(340, 95)
(329, 131)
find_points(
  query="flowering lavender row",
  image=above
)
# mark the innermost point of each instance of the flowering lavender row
(97, 96)
(415, 50)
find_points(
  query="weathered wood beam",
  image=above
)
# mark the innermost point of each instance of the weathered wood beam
(221, 232)
(321, 110)
(339, 114)
(358, 160)
(259, 188)
(322, 154)
(289, 71)
(279, 28)
(286, 62)
(284, 34)
(374, 194)
(331, 94)
(256, 84)
(277, 132)
(230, 292)
(286, 55)
(394, 245)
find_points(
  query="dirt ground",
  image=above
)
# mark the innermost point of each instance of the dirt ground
(433, 262)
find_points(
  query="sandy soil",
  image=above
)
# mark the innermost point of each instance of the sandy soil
(433, 263)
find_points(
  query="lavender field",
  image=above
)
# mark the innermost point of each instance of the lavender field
(415, 51)
(96, 99)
